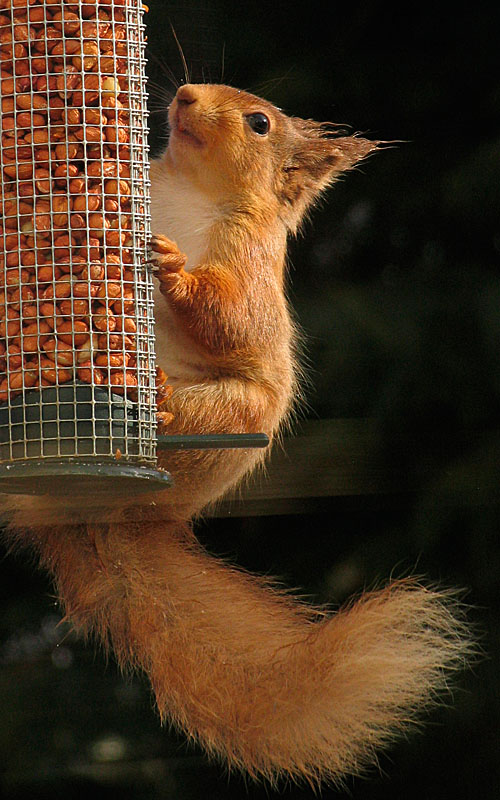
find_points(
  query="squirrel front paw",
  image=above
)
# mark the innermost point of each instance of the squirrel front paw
(167, 257)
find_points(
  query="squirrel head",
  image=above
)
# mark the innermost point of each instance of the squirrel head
(240, 149)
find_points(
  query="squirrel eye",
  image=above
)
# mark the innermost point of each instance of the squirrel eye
(259, 123)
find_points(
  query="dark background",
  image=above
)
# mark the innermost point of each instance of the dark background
(396, 284)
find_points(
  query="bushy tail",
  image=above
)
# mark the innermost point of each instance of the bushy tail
(272, 685)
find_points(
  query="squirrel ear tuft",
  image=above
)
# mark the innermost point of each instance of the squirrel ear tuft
(318, 159)
(346, 152)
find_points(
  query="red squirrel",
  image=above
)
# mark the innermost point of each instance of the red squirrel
(272, 685)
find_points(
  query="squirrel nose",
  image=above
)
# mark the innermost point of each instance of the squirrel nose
(186, 94)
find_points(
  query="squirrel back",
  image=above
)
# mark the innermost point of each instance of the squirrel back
(272, 685)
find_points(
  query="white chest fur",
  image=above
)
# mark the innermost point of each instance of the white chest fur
(182, 212)
(185, 215)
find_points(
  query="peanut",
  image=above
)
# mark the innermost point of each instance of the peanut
(70, 331)
(59, 351)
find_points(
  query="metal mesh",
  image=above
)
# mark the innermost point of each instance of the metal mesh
(77, 371)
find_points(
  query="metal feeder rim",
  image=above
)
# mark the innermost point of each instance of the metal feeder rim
(90, 480)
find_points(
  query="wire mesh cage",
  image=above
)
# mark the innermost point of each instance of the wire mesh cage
(77, 365)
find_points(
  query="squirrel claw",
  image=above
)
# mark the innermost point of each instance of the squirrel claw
(164, 418)
(163, 393)
(166, 255)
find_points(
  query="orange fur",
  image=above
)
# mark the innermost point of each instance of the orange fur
(274, 686)
(270, 684)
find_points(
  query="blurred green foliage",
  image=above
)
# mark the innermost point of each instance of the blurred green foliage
(396, 284)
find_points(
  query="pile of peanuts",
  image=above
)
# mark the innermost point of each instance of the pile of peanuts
(67, 281)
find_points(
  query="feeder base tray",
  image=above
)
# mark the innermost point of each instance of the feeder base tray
(91, 481)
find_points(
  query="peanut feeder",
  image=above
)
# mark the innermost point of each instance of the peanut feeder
(77, 369)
